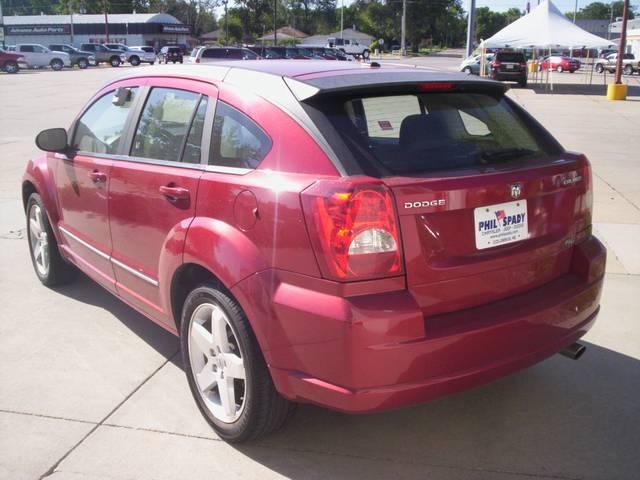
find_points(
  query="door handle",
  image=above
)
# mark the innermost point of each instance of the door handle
(174, 194)
(98, 177)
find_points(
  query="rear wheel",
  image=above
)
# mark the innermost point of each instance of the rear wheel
(523, 82)
(365, 54)
(226, 371)
(559, 69)
(599, 68)
(114, 61)
(467, 70)
(56, 64)
(48, 264)
(628, 70)
(135, 61)
(11, 67)
(83, 63)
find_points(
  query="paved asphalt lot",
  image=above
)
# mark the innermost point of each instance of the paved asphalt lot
(89, 389)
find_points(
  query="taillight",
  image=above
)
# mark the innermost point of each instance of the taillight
(584, 201)
(197, 60)
(495, 64)
(353, 229)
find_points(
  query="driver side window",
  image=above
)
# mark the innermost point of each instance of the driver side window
(101, 127)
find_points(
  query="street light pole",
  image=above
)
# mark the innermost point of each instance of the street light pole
(575, 11)
(623, 41)
(275, 22)
(471, 27)
(342, 20)
(403, 30)
(226, 23)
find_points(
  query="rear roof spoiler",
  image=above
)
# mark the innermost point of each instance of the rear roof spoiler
(305, 89)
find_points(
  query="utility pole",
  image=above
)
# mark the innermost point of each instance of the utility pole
(623, 41)
(342, 20)
(403, 30)
(1, 25)
(610, 22)
(575, 11)
(226, 23)
(71, 32)
(471, 27)
(275, 22)
(106, 20)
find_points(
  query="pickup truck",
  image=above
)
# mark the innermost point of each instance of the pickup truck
(629, 63)
(39, 56)
(351, 47)
(104, 54)
(11, 62)
(78, 57)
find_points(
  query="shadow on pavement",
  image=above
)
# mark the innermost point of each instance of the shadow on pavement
(562, 418)
(579, 89)
(85, 290)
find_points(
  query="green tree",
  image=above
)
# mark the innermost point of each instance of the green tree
(601, 11)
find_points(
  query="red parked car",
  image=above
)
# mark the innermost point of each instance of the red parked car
(559, 64)
(11, 62)
(361, 238)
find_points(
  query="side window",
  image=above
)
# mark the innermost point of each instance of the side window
(237, 141)
(385, 114)
(101, 127)
(39, 49)
(27, 48)
(164, 123)
(213, 53)
(192, 148)
(473, 126)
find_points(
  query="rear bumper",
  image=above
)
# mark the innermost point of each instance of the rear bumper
(374, 352)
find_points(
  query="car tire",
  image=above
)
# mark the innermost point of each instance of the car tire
(135, 61)
(523, 82)
(181, 62)
(210, 364)
(366, 53)
(114, 62)
(627, 70)
(11, 67)
(599, 68)
(151, 63)
(559, 69)
(56, 64)
(51, 269)
(467, 70)
(83, 63)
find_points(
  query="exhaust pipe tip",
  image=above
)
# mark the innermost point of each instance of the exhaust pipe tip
(574, 351)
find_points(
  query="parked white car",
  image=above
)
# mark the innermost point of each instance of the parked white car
(148, 54)
(36, 56)
(352, 47)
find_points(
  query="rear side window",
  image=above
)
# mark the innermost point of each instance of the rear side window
(100, 128)
(164, 124)
(413, 134)
(237, 140)
(213, 53)
(27, 48)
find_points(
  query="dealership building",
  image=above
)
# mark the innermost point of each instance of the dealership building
(153, 29)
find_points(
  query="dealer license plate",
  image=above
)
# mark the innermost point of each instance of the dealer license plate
(501, 224)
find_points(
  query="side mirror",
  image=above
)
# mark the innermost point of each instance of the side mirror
(53, 140)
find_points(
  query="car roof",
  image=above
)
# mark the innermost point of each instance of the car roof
(309, 77)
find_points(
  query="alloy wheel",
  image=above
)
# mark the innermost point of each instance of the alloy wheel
(39, 240)
(217, 362)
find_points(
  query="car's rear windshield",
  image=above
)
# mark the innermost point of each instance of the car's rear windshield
(422, 133)
(510, 57)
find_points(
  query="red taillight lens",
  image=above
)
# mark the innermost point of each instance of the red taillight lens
(353, 229)
(495, 64)
(584, 201)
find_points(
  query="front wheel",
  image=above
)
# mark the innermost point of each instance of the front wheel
(83, 63)
(151, 63)
(56, 64)
(115, 62)
(226, 371)
(467, 70)
(11, 67)
(599, 68)
(628, 70)
(135, 61)
(365, 54)
(48, 264)
(559, 69)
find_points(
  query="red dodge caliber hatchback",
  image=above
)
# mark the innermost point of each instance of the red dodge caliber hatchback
(357, 237)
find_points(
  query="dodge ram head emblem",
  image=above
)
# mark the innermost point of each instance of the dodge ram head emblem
(516, 191)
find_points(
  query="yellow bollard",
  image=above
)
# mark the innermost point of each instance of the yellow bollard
(616, 91)
(533, 67)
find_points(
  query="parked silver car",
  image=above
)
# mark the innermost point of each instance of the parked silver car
(147, 54)
(38, 56)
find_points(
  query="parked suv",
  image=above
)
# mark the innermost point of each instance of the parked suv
(170, 54)
(104, 54)
(147, 54)
(629, 64)
(39, 56)
(360, 239)
(215, 54)
(511, 66)
(77, 57)
(132, 56)
(11, 62)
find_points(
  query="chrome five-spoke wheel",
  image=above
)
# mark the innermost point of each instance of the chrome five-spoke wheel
(39, 240)
(217, 362)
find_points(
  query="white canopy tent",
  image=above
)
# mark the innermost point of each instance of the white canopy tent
(545, 28)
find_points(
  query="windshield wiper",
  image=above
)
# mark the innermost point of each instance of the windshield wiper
(507, 154)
